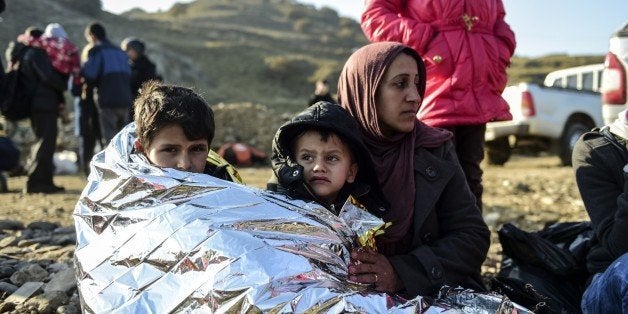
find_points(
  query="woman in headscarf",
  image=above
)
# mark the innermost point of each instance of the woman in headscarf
(437, 236)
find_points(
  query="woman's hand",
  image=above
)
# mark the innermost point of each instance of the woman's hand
(370, 267)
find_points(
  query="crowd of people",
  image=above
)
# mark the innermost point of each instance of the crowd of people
(405, 137)
(103, 80)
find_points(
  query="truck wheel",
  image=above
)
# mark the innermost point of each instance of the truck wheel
(498, 151)
(573, 131)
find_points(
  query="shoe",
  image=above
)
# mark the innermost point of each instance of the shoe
(46, 189)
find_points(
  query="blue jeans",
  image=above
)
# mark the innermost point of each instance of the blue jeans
(608, 292)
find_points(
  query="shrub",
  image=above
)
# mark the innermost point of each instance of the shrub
(291, 72)
(295, 13)
(302, 25)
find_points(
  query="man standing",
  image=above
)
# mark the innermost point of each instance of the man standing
(107, 69)
(45, 85)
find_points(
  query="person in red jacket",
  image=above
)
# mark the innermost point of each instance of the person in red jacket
(466, 47)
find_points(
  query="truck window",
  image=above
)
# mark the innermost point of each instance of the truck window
(587, 81)
(572, 81)
(558, 82)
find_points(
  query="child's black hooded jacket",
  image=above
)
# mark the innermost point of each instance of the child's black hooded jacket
(289, 174)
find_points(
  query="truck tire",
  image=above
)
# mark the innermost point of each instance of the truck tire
(572, 133)
(498, 151)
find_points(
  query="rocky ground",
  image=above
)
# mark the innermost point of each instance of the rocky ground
(37, 236)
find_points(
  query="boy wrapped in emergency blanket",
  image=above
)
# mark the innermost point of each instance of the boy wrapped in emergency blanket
(162, 240)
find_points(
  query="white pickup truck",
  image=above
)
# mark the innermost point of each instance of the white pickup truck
(550, 117)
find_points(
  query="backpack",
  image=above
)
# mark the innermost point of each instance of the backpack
(15, 95)
(544, 270)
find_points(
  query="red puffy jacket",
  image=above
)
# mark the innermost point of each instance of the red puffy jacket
(466, 46)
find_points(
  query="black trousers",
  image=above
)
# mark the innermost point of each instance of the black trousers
(89, 130)
(469, 143)
(41, 167)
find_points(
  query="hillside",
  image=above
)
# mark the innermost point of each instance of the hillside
(266, 52)
(261, 51)
(535, 69)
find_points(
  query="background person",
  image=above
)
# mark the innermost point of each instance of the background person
(321, 93)
(437, 236)
(10, 158)
(64, 57)
(40, 77)
(600, 162)
(142, 68)
(107, 69)
(466, 47)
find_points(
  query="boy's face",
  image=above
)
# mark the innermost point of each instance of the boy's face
(327, 165)
(171, 149)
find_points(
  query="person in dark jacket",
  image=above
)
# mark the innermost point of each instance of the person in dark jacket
(107, 69)
(438, 236)
(600, 162)
(319, 156)
(321, 93)
(45, 85)
(142, 68)
(10, 158)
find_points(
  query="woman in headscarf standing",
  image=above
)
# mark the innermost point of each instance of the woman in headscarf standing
(437, 236)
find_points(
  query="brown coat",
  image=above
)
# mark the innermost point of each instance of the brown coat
(450, 239)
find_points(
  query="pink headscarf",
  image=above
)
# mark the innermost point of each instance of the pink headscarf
(393, 156)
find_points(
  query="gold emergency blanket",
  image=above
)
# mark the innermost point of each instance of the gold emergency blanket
(152, 240)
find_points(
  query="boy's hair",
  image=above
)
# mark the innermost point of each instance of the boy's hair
(97, 30)
(159, 106)
(324, 134)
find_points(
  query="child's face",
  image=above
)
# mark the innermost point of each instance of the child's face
(171, 149)
(327, 165)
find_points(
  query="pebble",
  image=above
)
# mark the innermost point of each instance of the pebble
(36, 268)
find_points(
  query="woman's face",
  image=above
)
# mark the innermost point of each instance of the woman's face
(397, 98)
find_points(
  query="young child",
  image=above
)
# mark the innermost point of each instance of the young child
(175, 128)
(319, 156)
(62, 52)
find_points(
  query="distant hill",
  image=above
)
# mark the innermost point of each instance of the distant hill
(268, 52)
(535, 69)
(262, 51)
